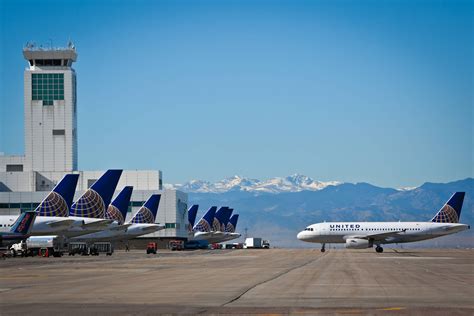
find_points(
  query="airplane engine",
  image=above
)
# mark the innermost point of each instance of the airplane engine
(357, 243)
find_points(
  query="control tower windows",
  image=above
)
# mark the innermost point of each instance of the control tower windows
(47, 87)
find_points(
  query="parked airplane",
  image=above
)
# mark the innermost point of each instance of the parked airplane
(360, 235)
(203, 228)
(143, 222)
(90, 207)
(52, 212)
(117, 211)
(230, 233)
(20, 229)
(192, 212)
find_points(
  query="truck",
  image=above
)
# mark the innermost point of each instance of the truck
(266, 244)
(151, 248)
(78, 248)
(252, 242)
(45, 246)
(101, 247)
(176, 245)
(18, 249)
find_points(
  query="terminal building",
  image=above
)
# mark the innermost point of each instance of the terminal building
(51, 131)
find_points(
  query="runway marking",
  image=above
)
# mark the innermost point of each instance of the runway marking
(392, 309)
(273, 278)
(420, 258)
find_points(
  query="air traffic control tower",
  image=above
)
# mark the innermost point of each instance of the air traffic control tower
(50, 109)
(50, 122)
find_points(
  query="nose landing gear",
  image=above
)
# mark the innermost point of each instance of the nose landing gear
(378, 249)
(323, 247)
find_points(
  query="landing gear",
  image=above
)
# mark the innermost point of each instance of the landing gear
(323, 248)
(378, 249)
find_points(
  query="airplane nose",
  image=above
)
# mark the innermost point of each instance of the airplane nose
(300, 235)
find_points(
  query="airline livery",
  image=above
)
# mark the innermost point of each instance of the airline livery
(361, 235)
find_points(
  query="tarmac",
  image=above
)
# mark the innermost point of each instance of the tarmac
(274, 281)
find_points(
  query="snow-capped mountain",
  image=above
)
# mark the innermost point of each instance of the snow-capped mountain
(293, 183)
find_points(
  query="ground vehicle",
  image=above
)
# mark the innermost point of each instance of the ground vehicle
(176, 245)
(101, 247)
(253, 243)
(151, 248)
(79, 248)
(196, 244)
(45, 246)
(18, 249)
(216, 246)
(266, 244)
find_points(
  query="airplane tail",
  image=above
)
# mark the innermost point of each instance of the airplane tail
(147, 213)
(24, 223)
(226, 219)
(232, 224)
(94, 201)
(192, 212)
(58, 201)
(204, 224)
(117, 210)
(451, 211)
(219, 218)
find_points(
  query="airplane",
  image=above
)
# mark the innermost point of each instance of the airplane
(20, 230)
(203, 228)
(361, 235)
(52, 211)
(192, 212)
(90, 207)
(230, 233)
(143, 222)
(117, 211)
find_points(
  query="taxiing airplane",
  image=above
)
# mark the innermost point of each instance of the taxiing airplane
(361, 235)
(20, 229)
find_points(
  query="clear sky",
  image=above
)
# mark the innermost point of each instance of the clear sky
(376, 91)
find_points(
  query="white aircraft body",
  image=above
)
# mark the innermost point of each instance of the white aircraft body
(141, 224)
(361, 235)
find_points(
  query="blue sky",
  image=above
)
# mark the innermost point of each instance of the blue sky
(376, 91)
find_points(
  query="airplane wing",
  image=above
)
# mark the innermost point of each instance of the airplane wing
(60, 223)
(379, 236)
(98, 224)
(122, 227)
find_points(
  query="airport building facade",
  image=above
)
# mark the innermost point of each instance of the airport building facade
(50, 125)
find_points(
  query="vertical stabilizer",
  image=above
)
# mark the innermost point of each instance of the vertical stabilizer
(192, 212)
(204, 224)
(117, 210)
(94, 201)
(147, 213)
(451, 211)
(24, 223)
(232, 225)
(58, 201)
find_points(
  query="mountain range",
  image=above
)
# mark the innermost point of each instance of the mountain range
(293, 183)
(278, 208)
